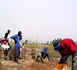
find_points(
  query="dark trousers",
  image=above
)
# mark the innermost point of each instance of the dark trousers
(44, 55)
(17, 52)
(6, 52)
(74, 61)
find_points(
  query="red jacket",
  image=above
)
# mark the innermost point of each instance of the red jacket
(69, 46)
(4, 42)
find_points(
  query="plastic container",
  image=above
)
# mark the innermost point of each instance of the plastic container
(61, 67)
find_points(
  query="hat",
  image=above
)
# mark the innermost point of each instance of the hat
(57, 45)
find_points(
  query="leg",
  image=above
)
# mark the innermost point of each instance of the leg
(6, 53)
(42, 56)
(15, 54)
(18, 54)
(48, 56)
(42, 60)
(37, 58)
(74, 61)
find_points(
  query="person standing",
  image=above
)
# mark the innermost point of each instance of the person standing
(17, 39)
(67, 47)
(5, 44)
(26, 42)
(6, 36)
(21, 46)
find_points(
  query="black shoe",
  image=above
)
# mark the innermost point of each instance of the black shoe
(36, 60)
(15, 60)
(19, 57)
(42, 61)
(18, 62)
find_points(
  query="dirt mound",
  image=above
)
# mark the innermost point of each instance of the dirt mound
(37, 66)
(43, 66)
(30, 65)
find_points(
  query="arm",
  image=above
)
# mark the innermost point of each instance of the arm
(48, 56)
(63, 59)
(14, 38)
(21, 43)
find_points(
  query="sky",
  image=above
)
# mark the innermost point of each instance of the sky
(39, 20)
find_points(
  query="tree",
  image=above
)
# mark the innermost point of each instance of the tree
(47, 42)
(50, 42)
(59, 39)
(76, 41)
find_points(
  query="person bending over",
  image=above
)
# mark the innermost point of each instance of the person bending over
(67, 47)
(43, 54)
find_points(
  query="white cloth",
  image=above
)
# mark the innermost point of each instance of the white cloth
(40, 54)
(20, 49)
(5, 46)
(23, 46)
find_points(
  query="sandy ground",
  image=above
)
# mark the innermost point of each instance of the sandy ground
(30, 64)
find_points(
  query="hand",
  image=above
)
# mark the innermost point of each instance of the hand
(21, 46)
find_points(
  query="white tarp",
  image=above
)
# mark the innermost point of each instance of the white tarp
(5, 46)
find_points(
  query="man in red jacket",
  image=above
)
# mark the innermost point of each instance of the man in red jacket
(67, 47)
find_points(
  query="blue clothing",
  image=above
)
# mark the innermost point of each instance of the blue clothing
(44, 54)
(17, 40)
(26, 42)
(44, 50)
